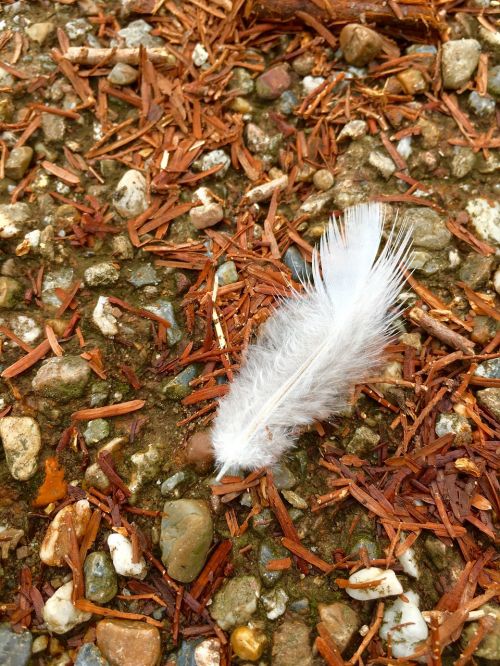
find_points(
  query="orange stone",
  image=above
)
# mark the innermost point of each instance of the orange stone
(128, 643)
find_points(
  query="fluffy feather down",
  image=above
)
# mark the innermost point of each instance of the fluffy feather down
(316, 346)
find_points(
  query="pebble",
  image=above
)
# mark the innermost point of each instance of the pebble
(122, 248)
(284, 479)
(62, 378)
(89, 655)
(316, 203)
(459, 60)
(323, 179)
(265, 191)
(40, 643)
(143, 276)
(38, 32)
(227, 273)
(388, 586)
(462, 162)
(101, 274)
(59, 614)
(259, 141)
(294, 499)
(206, 215)
(165, 309)
(485, 218)
(56, 542)
(12, 218)
(310, 83)
(18, 162)
(359, 44)
(428, 229)
(21, 441)
(476, 270)
(362, 442)
(412, 81)
(128, 643)
(121, 553)
(382, 163)
(25, 328)
(481, 105)
(199, 451)
(178, 387)
(298, 266)
(408, 561)
(490, 398)
(53, 128)
(123, 74)
(275, 603)
(101, 584)
(248, 643)
(213, 159)
(206, 653)
(130, 197)
(287, 102)
(103, 317)
(456, 424)
(242, 81)
(200, 55)
(341, 622)
(136, 33)
(186, 537)
(235, 602)
(57, 279)
(173, 482)
(270, 550)
(291, 645)
(489, 647)
(496, 280)
(405, 624)
(15, 648)
(273, 82)
(494, 81)
(489, 369)
(10, 290)
(303, 64)
(354, 129)
(96, 430)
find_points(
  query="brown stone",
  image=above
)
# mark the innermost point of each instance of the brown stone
(359, 44)
(340, 621)
(56, 543)
(199, 450)
(128, 643)
(272, 83)
(413, 81)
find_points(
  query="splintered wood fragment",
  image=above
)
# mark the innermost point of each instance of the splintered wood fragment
(415, 14)
(110, 410)
(26, 361)
(84, 55)
(63, 174)
(441, 331)
(369, 636)
(327, 648)
(305, 554)
(89, 607)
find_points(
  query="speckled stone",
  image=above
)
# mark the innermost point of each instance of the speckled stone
(15, 648)
(128, 643)
(62, 378)
(100, 577)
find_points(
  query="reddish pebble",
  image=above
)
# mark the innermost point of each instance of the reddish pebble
(274, 82)
(199, 451)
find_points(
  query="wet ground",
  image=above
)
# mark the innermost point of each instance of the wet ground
(153, 206)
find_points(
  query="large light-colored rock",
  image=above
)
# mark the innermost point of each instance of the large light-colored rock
(60, 614)
(130, 197)
(56, 543)
(459, 61)
(21, 441)
(128, 643)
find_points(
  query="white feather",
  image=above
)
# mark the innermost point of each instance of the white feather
(316, 346)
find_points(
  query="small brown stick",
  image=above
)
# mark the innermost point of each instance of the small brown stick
(371, 633)
(440, 331)
(83, 55)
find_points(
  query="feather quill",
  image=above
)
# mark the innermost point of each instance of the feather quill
(316, 345)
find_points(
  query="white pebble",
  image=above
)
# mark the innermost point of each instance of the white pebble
(60, 614)
(404, 147)
(121, 553)
(310, 83)
(200, 55)
(388, 585)
(405, 624)
(103, 317)
(409, 563)
(485, 217)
